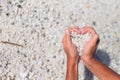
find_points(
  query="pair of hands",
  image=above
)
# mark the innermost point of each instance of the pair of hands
(89, 48)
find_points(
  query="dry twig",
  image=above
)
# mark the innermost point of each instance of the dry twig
(11, 43)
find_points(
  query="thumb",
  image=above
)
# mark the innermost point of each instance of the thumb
(68, 37)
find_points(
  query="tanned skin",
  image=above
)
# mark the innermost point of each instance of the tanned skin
(100, 70)
(73, 57)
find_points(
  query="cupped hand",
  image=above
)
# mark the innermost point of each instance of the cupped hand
(90, 46)
(70, 48)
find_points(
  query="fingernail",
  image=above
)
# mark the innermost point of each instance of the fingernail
(81, 30)
(67, 32)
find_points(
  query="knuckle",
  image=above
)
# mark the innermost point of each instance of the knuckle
(97, 36)
(89, 28)
(92, 28)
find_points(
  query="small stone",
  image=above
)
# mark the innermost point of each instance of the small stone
(7, 14)
(18, 51)
(94, 23)
(42, 28)
(48, 60)
(54, 56)
(33, 58)
(43, 35)
(19, 6)
(1, 9)
(21, 1)
(9, 1)
(0, 65)
(0, 30)
(57, 22)
(88, 6)
(13, 23)
(25, 55)
(33, 31)
(48, 70)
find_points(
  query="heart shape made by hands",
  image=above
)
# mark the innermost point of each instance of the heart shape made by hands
(80, 40)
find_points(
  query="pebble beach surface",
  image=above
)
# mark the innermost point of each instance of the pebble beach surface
(31, 32)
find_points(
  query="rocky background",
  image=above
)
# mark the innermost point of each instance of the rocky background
(31, 32)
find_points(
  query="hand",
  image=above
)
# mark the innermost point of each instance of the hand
(69, 48)
(72, 55)
(90, 47)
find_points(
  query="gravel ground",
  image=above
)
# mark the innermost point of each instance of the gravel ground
(31, 32)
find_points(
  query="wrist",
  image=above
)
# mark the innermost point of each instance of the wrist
(71, 64)
(73, 61)
(72, 70)
(88, 60)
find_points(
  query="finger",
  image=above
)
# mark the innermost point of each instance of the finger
(63, 39)
(83, 31)
(86, 29)
(66, 39)
(74, 29)
(94, 36)
(95, 40)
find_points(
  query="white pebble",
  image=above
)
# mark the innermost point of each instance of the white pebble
(79, 40)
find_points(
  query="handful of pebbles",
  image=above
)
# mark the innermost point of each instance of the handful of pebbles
(80, 40)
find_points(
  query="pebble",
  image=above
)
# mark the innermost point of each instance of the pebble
(80, 40)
